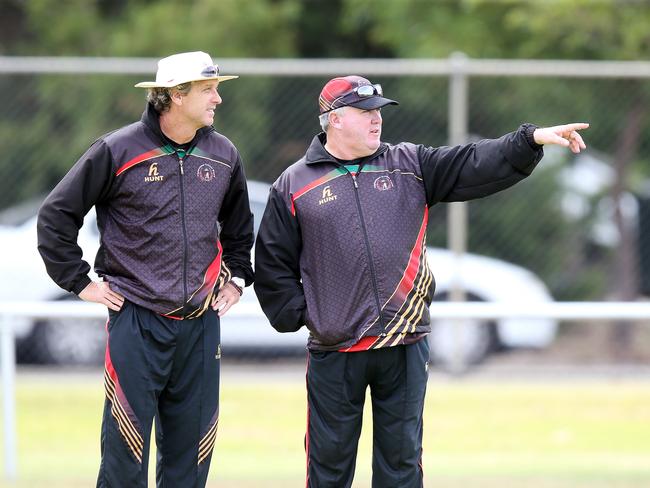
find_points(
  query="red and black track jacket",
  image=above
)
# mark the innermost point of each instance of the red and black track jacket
(173, 225)
(342, 250)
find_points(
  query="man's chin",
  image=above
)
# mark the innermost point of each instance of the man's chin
(373, 146)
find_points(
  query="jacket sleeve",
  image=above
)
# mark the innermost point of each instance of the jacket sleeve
(475, 170)
(62, 214)
(277, 266)
(236, 221)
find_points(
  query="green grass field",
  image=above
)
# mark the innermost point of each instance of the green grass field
(477, 433)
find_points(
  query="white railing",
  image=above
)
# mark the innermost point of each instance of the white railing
(593, 311)
(456, 63)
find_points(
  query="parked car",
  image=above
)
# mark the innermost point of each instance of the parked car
(245, 328)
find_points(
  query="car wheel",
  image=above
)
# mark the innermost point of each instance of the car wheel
(460, 342)
(457, 344)
(69, 341)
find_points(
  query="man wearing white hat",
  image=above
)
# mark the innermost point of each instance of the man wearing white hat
(176, 234)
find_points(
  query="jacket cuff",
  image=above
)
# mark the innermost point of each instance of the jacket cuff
(81, 284)
(529, 129)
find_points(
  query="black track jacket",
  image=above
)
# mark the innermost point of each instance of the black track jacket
(343, 251)
(173, 225)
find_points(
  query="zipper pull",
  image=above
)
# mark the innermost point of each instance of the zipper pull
(354, 180)
(180, 154)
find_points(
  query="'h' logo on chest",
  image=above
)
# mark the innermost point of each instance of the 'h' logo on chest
(327, 197)
(153, 174)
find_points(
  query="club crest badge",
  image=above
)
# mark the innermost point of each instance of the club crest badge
(383, 183)
(205, 172)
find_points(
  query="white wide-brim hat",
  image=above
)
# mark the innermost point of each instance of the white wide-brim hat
(184, 67)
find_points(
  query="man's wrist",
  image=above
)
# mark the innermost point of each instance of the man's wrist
(81, 285)
(529, 133)
(238, 284)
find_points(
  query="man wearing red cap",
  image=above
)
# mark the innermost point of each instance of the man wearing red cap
(341, 250)
(176, 234)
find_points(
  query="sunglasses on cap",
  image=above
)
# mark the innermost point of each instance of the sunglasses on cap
(369, 90)
(210, 71)
(365, 91)
(359, 92)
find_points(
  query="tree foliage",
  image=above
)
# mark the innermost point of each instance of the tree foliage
(225, 28)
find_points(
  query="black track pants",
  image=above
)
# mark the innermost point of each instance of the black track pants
(166, 368)
(336, 388)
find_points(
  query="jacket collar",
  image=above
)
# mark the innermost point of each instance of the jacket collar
(316, 153)
(151, 119)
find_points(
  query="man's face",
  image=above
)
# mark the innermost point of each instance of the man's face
(199, 104)
(360, 130)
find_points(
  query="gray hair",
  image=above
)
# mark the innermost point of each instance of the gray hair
(161, 98)
(324, 119)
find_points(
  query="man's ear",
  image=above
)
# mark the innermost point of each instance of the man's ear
(177, 97)
(335, 120)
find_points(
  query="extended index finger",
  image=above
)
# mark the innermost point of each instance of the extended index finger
(575, 126)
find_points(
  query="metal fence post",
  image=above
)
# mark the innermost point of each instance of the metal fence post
(457, 211)
(8, 364)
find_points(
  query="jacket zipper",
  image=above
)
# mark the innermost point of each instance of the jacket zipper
(373, 276)
(183, 226)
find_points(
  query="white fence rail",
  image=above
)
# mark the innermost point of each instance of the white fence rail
(454, 64)
(593, 311)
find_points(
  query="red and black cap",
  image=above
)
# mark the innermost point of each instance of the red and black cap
(352, 91)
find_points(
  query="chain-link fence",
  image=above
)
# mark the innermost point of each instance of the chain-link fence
(574, 222)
